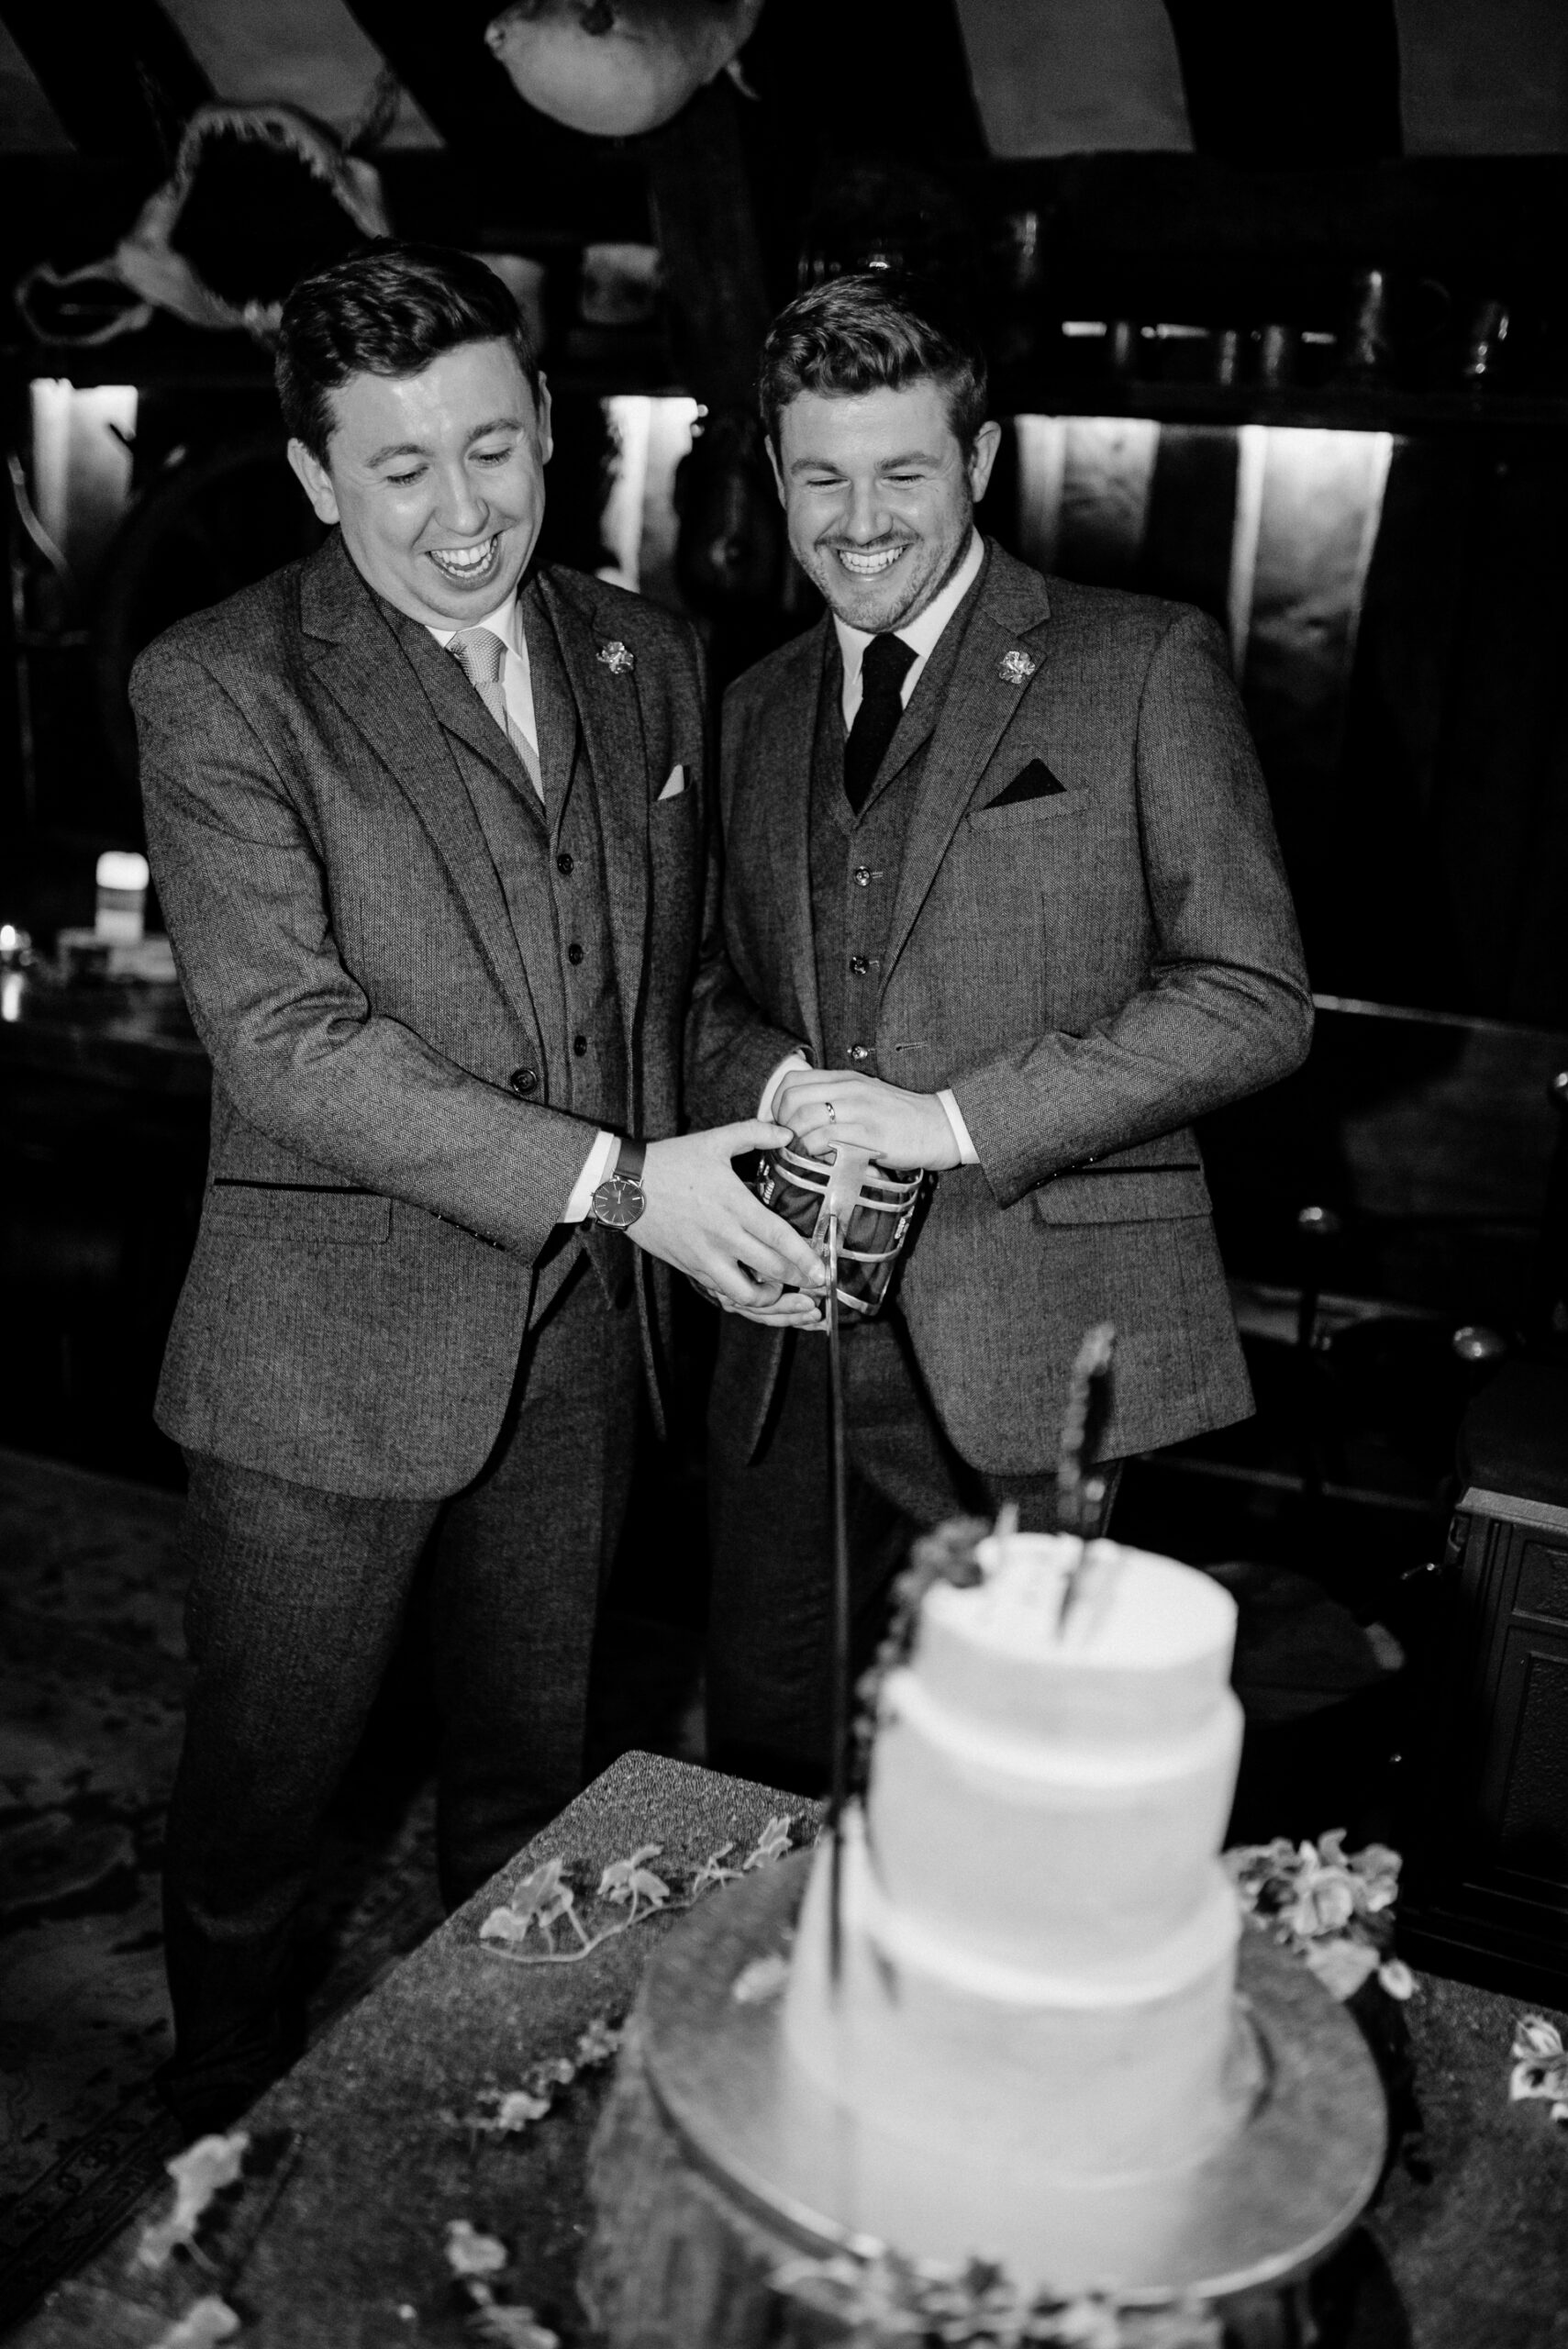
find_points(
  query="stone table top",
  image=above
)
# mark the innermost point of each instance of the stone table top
(342, 2245)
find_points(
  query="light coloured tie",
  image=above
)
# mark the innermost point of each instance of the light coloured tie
(482, 657)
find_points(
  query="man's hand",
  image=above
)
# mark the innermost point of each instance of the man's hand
(701, 1219)
(901, 1130)
(771, 1307)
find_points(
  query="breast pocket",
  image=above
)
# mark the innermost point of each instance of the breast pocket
(1050, 808)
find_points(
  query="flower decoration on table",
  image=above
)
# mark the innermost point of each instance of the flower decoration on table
(1332, 1908)
(507, 2112)
(1540, 2065)
(550, 1921)
(203, 2171)
(204, 2323)
(476, 2261)
(892, 2302)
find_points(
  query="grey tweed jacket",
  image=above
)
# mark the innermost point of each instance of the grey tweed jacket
(382, 1209)
(1089, 969)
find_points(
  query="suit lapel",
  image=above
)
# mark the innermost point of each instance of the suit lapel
(396, 685)
(790, 752)
(555, 709)
(1011, 604)
(610, 711)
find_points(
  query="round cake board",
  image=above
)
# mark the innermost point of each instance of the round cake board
(1259, 2210)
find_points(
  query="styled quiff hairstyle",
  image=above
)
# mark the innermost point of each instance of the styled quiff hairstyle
(871, 331)
(389, 309)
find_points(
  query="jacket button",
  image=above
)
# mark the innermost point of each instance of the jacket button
(860, 1052)
(524, 1081)
(574, 952)
(578, 1045)
(860, 877)
(564, 862)
(859, 967)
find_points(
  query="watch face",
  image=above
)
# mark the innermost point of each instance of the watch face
(618, 1201)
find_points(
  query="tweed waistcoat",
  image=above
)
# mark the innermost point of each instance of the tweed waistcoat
(856, 859)
(551, 864)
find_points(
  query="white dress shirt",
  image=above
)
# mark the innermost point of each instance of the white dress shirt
(922, 633)
(506, 622)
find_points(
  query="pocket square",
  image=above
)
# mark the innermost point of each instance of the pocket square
(1033, 782)
(675, 784)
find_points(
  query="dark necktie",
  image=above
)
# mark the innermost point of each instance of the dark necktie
(884, 668)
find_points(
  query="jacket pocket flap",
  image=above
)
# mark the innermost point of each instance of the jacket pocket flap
(285, 1210)
(1122, 1194)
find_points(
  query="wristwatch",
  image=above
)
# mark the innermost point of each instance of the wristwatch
(620, 1197)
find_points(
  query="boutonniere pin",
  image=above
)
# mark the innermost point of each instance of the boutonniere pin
(617, 657)
(1017, 667)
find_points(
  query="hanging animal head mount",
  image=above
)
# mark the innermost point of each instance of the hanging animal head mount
(258, 196)
(615, 68)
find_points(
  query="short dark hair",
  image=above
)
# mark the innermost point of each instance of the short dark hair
(872, 330)
(389, 308)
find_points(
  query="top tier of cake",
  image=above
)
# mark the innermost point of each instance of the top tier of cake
(1052, 1794)
(1144, 1653)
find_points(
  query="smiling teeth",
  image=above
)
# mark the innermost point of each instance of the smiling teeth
(463, 561)
(866, 566)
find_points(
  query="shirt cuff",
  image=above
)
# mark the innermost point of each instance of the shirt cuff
(597, 1165)
(789, 1059)
(967, 1154)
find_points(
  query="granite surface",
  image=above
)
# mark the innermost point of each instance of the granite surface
(335, 2238)
(341, 2246)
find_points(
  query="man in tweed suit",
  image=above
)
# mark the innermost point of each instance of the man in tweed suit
(428, 829)
(1004, 895)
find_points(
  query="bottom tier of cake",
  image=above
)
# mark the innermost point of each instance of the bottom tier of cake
(1101, 2078)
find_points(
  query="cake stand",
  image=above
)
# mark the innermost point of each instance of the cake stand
(718, 2160)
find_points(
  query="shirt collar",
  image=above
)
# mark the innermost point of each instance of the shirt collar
(502, 621)
(920, 633)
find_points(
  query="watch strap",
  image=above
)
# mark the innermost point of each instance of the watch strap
(630, 1160)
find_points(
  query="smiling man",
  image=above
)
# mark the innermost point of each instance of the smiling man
(1002, 892)
(428, 827)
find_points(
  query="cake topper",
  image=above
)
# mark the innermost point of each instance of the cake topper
(1078, 1496)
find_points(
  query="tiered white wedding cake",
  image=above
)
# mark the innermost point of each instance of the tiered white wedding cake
(1036, 1993)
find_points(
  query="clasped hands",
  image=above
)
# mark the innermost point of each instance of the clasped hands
(701, 1219)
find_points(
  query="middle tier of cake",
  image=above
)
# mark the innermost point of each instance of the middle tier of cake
(1058, 1853)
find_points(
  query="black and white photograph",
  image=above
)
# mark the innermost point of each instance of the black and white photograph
(784, 1174)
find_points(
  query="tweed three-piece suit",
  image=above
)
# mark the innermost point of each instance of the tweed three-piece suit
(1062, 899)
(423, 992)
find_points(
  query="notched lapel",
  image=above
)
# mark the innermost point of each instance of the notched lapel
(384, 678)
(783, 773)
(973, 722)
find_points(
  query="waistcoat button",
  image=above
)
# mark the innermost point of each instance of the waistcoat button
(564, 862)
(578, 1045)
(524, 1081)
(574, 952)
(860, 1052)
(859, 967)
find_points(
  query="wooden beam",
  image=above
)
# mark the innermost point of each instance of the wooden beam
(116, 71)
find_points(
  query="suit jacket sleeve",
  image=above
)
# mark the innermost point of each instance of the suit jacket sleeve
(732, 1047)
(294, 1041)
(1225, 1007)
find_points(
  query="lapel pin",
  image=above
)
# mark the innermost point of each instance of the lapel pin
(1016, 668)
(617, 656)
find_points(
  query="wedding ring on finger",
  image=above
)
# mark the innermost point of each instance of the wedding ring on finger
(832, 1113)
